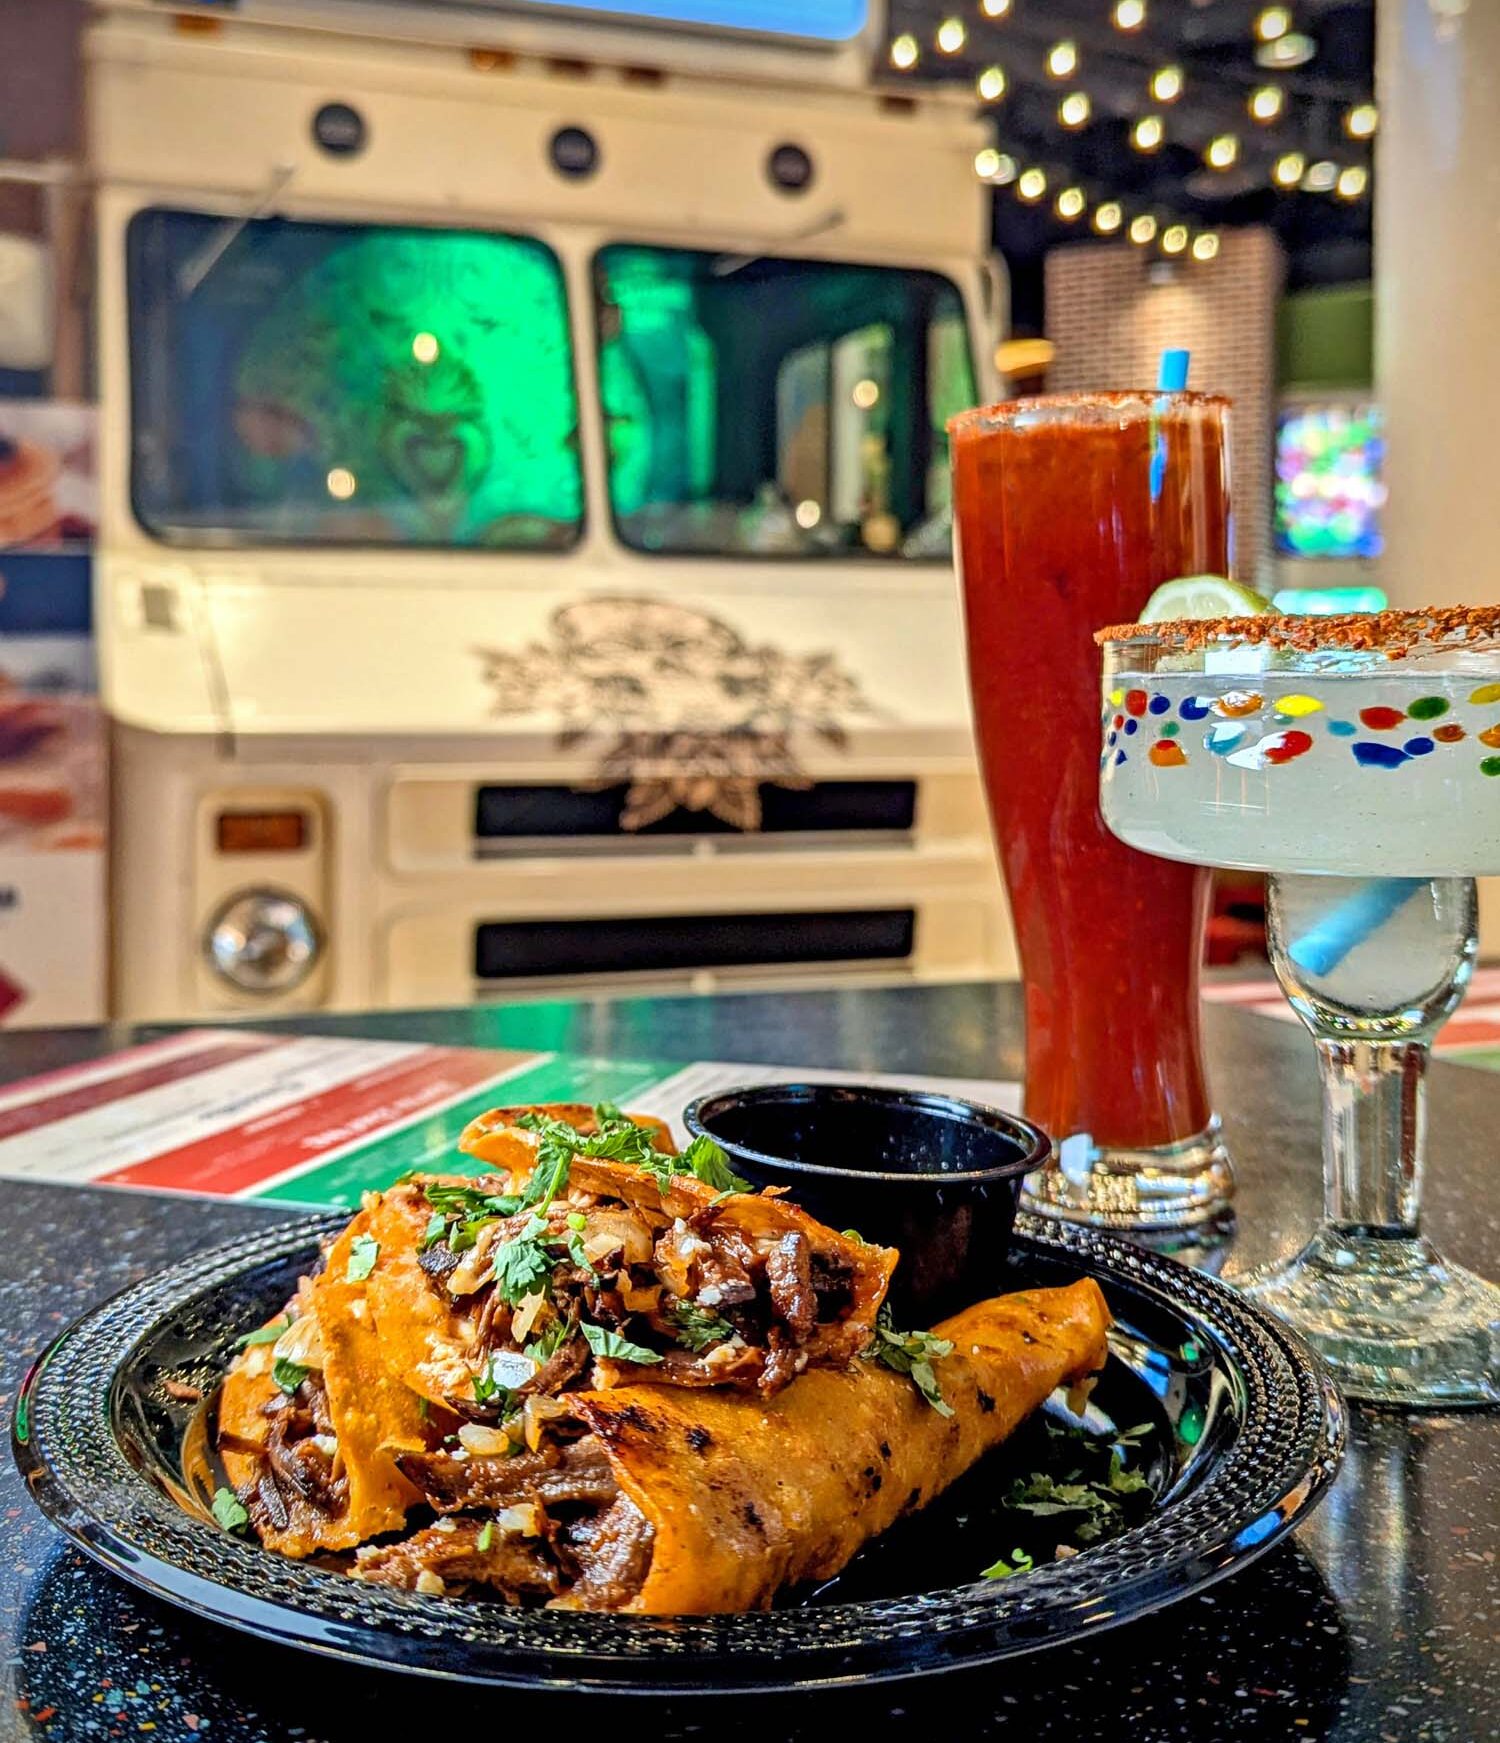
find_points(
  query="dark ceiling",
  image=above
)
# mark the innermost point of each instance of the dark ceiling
(1215, 44)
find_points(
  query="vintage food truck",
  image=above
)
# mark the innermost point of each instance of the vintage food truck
(524, 559)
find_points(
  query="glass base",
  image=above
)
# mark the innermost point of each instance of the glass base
(1395, 1322)
(1174, 1186)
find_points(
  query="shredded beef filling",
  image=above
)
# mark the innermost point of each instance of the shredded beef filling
(626, 1270)
(582, 1541)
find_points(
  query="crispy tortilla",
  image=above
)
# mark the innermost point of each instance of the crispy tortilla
(745, 1497)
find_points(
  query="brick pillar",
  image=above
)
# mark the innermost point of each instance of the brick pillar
(1110, 324)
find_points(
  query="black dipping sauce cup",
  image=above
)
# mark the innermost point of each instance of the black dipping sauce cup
(937, 1177)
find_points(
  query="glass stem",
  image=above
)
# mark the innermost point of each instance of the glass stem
(1374, 1134)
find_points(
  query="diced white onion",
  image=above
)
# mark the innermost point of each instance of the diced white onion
(301, 1342)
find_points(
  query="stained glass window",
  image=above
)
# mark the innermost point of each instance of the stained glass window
(312, 383)
(770, 407)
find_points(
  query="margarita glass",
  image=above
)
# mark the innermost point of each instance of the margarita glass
(1357, 760)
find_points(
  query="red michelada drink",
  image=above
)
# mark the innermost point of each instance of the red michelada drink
(1070, 512)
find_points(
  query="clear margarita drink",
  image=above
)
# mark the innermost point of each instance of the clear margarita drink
(1357, 761)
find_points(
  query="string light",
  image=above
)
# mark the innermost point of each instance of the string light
(1148, 133)
(1352, 182)
(1267, 102)
(1361, 121)
(1074, 109)
(1206, 246)
(1289, 169)
(1130, 14)
(991, 84)
(951, 35)
(1071, 203)
(905, 53)
(995, 166)
(1062, 60)
(1222, 152)
(994, 8)
(1031, 185)
(1166, 84)
(1175, 239)
(1142, 229)
(1322, 177)
(1295, 49)
(1274, 21)
(1108, 217)
(341, 483)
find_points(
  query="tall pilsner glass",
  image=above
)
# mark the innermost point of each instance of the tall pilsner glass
(1070, 512)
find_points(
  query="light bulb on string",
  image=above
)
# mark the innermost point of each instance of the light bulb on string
(991, 84)
(1175, 239)
(1130, 14)
(997, 167)
(1166, 84)
(1267, 102)
(1031, 185)
(1322, 177)
(952, 35)
(1289, 169)
(1272, 22)
(1108, 217)
(1206, 246)
(1222, 152)
(904, 53)
(1062, 60)
(1352, 182)
(1142, 229)
(994, 8)
(1071, 203)
(1361, 121)
(1148, 133)
(1075, 109)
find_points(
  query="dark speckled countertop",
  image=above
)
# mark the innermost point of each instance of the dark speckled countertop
(1378, 1623)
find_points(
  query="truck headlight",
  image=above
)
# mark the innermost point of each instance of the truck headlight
(262, 941)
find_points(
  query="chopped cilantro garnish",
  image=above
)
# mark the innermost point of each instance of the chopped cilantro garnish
(521, 1265)
(1086, 1496)
(610, 1343)
(549, 1342)
(485, 1537)
(364, 1250)
(577, 1221)
(697, 1327)
(228, 1510)
(912, 1353)
(288, 1375)
(433, 1233)
(607, 1114)
(577, 1254)
(454, 1199)
(1019, 1563)
(267, 1334)
(707, 1161)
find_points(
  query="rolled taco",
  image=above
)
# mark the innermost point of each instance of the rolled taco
(657, 1499)
(589, 1257)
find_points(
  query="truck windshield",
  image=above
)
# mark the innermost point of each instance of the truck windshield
(761, 407)
(311, 384)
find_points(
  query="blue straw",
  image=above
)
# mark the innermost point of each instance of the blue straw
(1171, 377)
(1322, 949)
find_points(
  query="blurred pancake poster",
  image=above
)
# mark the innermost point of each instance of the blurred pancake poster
(53, 741)
(49, 493)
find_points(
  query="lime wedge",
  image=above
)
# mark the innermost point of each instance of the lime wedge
(1203, 596)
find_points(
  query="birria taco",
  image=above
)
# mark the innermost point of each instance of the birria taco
(605, 1377)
